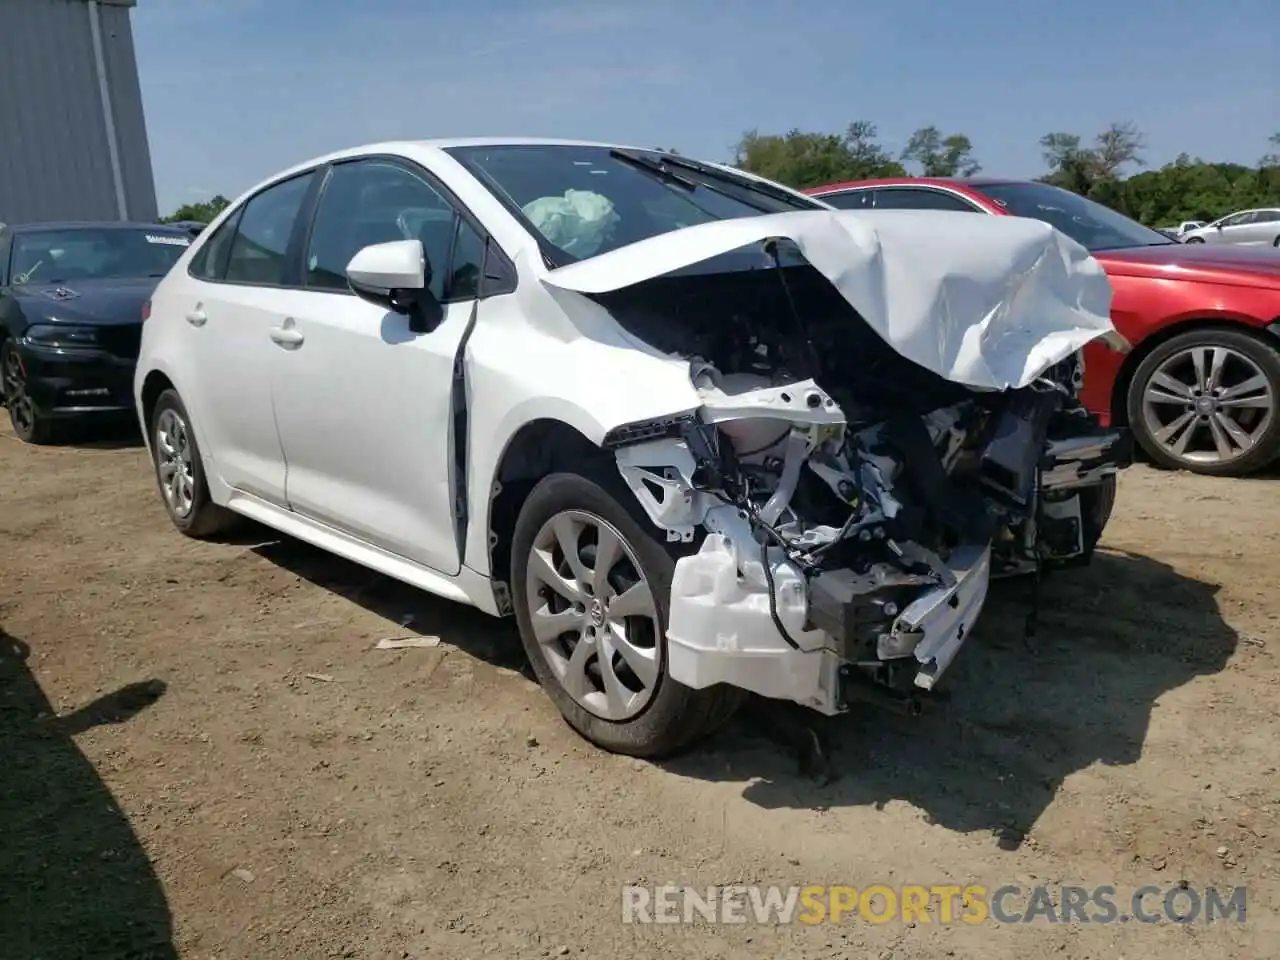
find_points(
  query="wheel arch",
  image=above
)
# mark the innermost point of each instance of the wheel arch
(540, 447)
(155, 383)
(1124, 379)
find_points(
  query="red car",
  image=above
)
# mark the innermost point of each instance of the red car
(1201, 385)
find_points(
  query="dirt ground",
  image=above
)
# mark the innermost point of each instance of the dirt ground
(202, 754)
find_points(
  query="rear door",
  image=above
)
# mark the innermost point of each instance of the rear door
(1264, 229)
(238, 296)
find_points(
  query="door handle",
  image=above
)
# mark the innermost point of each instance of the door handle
(197, 318)
(287, 337)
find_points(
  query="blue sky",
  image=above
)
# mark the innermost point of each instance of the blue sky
(237, 89)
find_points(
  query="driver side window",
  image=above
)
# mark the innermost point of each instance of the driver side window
(375, 201)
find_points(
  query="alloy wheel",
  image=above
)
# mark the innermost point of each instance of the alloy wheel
(594, 616)
(1208, 404)
(21, 410)
(174, 463)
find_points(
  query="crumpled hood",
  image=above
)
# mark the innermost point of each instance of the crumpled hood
(987, 302)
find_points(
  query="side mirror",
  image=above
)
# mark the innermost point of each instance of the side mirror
(396, 276)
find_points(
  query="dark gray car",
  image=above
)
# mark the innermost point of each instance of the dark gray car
(71, 312)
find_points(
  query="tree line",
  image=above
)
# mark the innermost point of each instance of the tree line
(1189, 188)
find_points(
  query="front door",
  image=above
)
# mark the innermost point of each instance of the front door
(362, 402)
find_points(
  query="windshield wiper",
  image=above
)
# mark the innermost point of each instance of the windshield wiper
(745, 183)
(656, 167)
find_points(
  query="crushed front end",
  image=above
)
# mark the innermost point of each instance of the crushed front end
(831, 558)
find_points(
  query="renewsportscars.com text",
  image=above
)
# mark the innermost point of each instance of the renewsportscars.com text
(970, 904)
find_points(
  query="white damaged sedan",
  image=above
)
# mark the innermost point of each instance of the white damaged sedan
(700, 434)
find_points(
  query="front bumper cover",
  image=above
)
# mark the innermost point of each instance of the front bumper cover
(722, 630)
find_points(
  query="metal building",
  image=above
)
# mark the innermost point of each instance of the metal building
(73, 139)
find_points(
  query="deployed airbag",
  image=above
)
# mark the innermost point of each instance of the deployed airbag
(987, 302)
(577, 222)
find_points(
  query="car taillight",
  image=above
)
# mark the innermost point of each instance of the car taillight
(146, 310)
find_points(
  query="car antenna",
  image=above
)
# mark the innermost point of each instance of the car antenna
(458, 404)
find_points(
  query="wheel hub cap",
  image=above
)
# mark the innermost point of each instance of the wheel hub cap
(1209, 404)
(593, 615)
(174, 464)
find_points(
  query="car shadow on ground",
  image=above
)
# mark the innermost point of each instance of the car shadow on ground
(491, 639)
(112, 435)
(75, 881)
(1112, 638)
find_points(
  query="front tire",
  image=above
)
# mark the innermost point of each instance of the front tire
(1097, 504)
(591, 587)
(180, 471)
(29, 425)
(1205, 401)
(1194, 240)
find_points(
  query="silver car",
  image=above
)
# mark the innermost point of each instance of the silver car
(1254, 227)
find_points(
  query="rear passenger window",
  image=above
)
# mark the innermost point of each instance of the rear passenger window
(262, 235)
(914, 199)
(853, 200)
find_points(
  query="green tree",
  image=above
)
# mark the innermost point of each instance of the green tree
(941, 156)
(1189, 188)
(802, 159)
(1272, 157)
(203, 212)
(1070, 165)
(1116, 147)
(1082, 169)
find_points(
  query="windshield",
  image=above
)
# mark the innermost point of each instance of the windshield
(94, 253)
(1089, 224)
(584, 201)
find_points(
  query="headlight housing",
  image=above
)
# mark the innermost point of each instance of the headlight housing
(61, 335)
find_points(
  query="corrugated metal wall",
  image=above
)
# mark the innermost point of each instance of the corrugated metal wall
(55, 163)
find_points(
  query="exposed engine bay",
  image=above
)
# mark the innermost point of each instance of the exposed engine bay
(841, 509)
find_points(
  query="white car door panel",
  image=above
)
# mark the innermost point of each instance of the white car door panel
(230, 308)
(362, 405)
(232, 397)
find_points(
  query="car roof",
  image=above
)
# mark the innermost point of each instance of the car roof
(91, 225)
(411, 147)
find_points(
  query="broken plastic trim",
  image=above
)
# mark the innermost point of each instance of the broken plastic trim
(642, 431)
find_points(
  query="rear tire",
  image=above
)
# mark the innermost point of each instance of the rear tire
(1194, 240)
(608, 618)
(180, 471)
